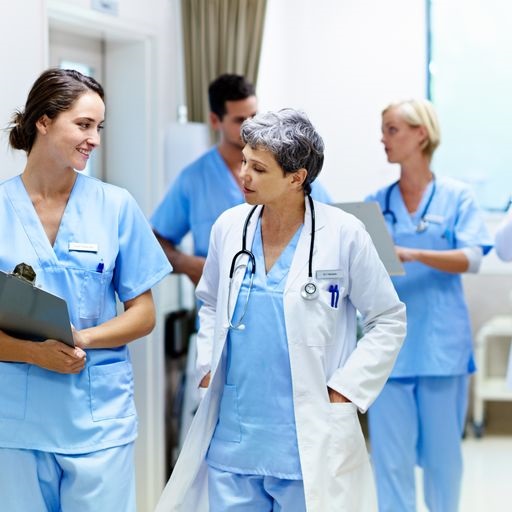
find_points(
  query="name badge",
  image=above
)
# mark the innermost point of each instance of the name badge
(328, 274)
(80, 247)
(434, 219)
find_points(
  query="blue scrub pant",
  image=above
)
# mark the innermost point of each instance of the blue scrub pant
(419, 420)
(33, 481)
(231, 492)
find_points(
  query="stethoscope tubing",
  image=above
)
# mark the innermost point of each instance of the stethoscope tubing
(422, 225)
(244, 251)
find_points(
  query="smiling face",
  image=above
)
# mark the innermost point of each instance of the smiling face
(402, 141)
(263, 179)
(70, 137)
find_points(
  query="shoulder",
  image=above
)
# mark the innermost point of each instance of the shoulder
(455, 190)
(234, 215)
(201, 164)
(380, 194)
(106, 195)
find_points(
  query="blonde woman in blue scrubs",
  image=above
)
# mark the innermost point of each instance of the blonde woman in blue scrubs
(67, 416)
(277, 429)
(439, 233)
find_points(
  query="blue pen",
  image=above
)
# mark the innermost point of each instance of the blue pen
(100, 267)
(337, 293)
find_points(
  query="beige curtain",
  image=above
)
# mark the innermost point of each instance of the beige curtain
(220, 36)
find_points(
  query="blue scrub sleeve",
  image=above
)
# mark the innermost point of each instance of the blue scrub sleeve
(171, 219)
(470, 229)
(141, 262)
(319, 193)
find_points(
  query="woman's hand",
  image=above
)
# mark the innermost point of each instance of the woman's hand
(406, 253)
(335, 397)
(453, 260)
(58, 357)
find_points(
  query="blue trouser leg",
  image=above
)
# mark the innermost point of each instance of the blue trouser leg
(442, 404)
(32, 480)
(231, 492)
(393, 436)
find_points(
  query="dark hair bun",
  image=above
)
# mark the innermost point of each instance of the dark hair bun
(17, 137)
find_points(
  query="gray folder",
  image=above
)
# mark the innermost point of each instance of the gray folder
(30, 313)
(370, 215)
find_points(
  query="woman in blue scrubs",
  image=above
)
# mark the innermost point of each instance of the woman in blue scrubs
(277, 429)
(439, 234)
(67, 416)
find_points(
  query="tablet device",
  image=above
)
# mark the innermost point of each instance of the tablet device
(30, 313)
(370, 215)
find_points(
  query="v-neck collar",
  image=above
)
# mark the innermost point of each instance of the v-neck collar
(32, 224)
(412, 218)
(281, 266)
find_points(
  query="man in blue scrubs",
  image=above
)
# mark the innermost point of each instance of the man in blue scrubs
(211, 184)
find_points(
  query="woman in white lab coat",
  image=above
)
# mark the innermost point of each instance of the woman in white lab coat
(278, 427)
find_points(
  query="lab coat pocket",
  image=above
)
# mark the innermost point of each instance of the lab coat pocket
(13, 390)
(111, 388)
(348, 445)
(324, 314)
(92, 294)
(228, 427)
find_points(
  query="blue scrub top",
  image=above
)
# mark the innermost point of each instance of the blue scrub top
(438, 341)
(201, 192)
(256, 433)
(49, 411)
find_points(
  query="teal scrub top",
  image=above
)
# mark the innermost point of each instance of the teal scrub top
(438, 341)
(49, 411)
(256, 433)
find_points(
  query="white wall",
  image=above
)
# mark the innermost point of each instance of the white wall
(342, 61)
(23, 53)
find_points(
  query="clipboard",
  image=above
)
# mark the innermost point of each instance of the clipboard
(370, 215)
(30, 313)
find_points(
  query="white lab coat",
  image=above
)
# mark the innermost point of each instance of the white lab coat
(323, 352)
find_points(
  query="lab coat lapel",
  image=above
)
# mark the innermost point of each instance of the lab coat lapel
(299, 268)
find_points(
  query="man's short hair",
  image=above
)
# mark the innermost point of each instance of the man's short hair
(228, 87)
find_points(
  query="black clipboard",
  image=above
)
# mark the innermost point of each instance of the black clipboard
(30, 313)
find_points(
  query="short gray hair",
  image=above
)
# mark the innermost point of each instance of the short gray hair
(291, 138)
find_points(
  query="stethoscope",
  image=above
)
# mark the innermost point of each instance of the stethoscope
(309, 290)
(423, 223)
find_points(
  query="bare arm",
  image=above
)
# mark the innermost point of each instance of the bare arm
(50, 354)
(454, 260)
(137, 320)
(182, 263)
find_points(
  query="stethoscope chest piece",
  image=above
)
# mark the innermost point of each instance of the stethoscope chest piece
(309, 291)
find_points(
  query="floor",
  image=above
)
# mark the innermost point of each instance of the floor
(487, 481)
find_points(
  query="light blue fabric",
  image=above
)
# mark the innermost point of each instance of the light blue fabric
(94, 410)
(256, 433)
(229, 492)
(200, 193)
(419, 421)
(44, 482)
(438, 338)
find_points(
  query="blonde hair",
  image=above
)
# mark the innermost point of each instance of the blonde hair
(420, 113)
